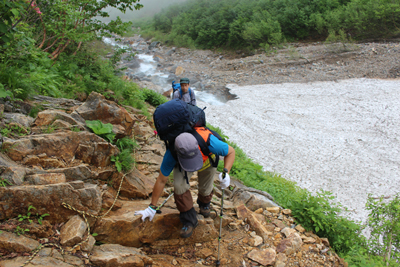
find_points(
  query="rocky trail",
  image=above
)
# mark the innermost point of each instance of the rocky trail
(58, 180)
(54, 159)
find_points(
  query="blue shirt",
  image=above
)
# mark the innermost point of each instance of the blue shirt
(216, 147)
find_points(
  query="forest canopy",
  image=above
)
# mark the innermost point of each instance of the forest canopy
(255, 23)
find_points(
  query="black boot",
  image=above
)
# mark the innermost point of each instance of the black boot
(189, 221)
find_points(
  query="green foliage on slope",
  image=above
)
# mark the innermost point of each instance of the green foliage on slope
(260, 23)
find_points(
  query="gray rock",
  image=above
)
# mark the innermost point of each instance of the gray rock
(22, 119)
(153, 45)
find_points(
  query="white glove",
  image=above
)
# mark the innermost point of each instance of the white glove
(149, 212)
(224, 183)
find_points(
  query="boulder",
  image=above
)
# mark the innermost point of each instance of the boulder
(244, 213)
(72, 232)
(253, 198)
(14, 175)
(45, 178)
(108, 255)
(97, 107)
(22, 119)
(47, 257)
(15, 200)
(50, 116)
(124, 228)
(135, 184)
(265, 257)
(67, 145)
(290, 245)
(17, 243)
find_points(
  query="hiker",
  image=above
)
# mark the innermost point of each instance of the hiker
(190, 158)
(185, 93)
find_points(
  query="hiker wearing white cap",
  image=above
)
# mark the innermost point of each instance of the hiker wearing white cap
(188, 159)
(185, 93)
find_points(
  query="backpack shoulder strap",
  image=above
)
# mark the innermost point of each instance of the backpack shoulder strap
(203, 144)
(180, 93)
(190, 94)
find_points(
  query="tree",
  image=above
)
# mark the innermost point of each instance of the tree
(384, 222)
(56, 24)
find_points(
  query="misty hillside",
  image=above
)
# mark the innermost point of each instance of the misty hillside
(150, 7)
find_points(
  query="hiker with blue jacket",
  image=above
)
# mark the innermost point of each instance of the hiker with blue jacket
(189, 157)
(185, 93)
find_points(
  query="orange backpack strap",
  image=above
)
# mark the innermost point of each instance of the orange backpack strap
(202, 135)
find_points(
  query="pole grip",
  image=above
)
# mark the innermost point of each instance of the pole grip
(224, 171)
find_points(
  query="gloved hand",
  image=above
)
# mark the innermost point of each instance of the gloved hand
(149, 212)
(224, 182)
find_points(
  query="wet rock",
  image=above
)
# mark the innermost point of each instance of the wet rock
(153, 45)
(132, 64)
(170, 52)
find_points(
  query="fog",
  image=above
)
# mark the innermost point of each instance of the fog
(150, 7)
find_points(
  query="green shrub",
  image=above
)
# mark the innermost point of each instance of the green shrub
(384, 223)
(152, 97)
(101, 129)
(126, 143)
(124, 161)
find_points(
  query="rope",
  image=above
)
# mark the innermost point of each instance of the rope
(84, 214)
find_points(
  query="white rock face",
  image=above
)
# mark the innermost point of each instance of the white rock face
(342, 136)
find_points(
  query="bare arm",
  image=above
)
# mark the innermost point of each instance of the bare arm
(158, 188)
(229, 158)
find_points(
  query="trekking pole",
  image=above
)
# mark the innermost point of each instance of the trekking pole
(220, 217)
(162, 204)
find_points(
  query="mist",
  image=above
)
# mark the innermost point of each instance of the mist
(150, 7)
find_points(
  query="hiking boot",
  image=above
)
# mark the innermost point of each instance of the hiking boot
(205, 211)
(187, 230)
